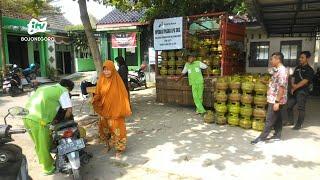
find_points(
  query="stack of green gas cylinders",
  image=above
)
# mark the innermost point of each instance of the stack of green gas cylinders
(241, 101)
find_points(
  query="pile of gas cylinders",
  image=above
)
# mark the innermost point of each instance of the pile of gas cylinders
(241, 101)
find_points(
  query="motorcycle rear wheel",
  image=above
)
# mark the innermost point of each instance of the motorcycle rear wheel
(76, 174)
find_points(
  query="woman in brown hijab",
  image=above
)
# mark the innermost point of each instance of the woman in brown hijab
(112, 104)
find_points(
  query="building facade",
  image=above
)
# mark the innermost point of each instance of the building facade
(259, 47)
(20, 47)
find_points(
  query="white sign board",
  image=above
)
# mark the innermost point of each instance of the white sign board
(152, 56)
(167, 33)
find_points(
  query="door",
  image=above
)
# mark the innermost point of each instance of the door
(67, 62)
(18, 51)
(59, 61)
(131, 57)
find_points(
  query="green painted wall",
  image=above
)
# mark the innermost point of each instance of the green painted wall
(7, 21)
(30, 52)
(84, 64)
(42, 58)
(114, 53)
(104, 47)
(123, 52)
(6, 46)
(138, 50)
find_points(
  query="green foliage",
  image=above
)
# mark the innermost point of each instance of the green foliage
(173, 8)
(52, 73)
(79, 40)
(74, 28)
(29, 7)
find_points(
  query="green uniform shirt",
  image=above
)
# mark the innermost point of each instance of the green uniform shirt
(43, 105)
(194, 73)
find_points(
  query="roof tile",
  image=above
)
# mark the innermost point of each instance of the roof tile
(116, 16)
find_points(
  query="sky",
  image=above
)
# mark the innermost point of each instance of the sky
(70, 9)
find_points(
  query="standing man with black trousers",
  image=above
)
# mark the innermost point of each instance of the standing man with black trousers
(302, 78)
(277, 97)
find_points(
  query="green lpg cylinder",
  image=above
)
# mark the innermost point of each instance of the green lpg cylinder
(258, 125)
(246, 98)
(233, 119)
(234, 108)
(220, 96)
(245, 122)
(209, 117)
(220, 107)
(235, 96)
(246, 110)
(220, 119)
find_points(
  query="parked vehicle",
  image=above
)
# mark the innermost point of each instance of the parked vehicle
(12, 83)
(13, 164)
(30, 74)
(137, 79)
(68, 146)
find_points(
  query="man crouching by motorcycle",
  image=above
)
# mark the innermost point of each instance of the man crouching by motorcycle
(43, 106)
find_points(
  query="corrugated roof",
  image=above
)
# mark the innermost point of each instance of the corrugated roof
(287, 16)
(56, 21)
(116, 17)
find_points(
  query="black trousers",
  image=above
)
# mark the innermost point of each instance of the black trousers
(274, 120)
(300, 99)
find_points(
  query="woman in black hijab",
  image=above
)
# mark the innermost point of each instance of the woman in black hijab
(123, 71)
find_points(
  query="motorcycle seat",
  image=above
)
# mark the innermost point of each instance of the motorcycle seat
(64, 124)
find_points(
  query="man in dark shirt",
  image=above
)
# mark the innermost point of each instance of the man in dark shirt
(303, 75)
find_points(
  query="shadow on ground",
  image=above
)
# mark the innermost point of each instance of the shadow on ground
(164, 137)
(159, 129)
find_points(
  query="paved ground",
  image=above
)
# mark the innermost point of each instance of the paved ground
(170, 142)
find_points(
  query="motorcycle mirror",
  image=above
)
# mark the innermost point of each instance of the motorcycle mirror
(18, 111)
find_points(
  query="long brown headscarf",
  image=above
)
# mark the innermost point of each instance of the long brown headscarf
(111, 97)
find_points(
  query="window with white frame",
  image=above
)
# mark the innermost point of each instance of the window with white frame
(259, 54)
(291, 51)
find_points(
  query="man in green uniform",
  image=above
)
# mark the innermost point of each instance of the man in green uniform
(193, 68)
(43, 106)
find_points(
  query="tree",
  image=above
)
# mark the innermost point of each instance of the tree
(155, 9)
(173, 8)
(92, 43)
(78, 36)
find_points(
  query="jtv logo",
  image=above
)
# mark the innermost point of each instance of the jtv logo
(36, 26)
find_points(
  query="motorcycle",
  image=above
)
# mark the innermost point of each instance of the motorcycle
(12, 83)
(13, 164)
(68, 146)
(30, 74)
(137, 79)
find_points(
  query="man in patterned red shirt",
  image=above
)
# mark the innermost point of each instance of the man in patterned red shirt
(277, 97)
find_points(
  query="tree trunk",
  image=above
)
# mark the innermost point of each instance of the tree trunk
(92, 43)
(2, 47)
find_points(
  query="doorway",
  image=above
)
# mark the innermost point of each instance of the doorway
(18, 51)
(67, 62)
(63, 60)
